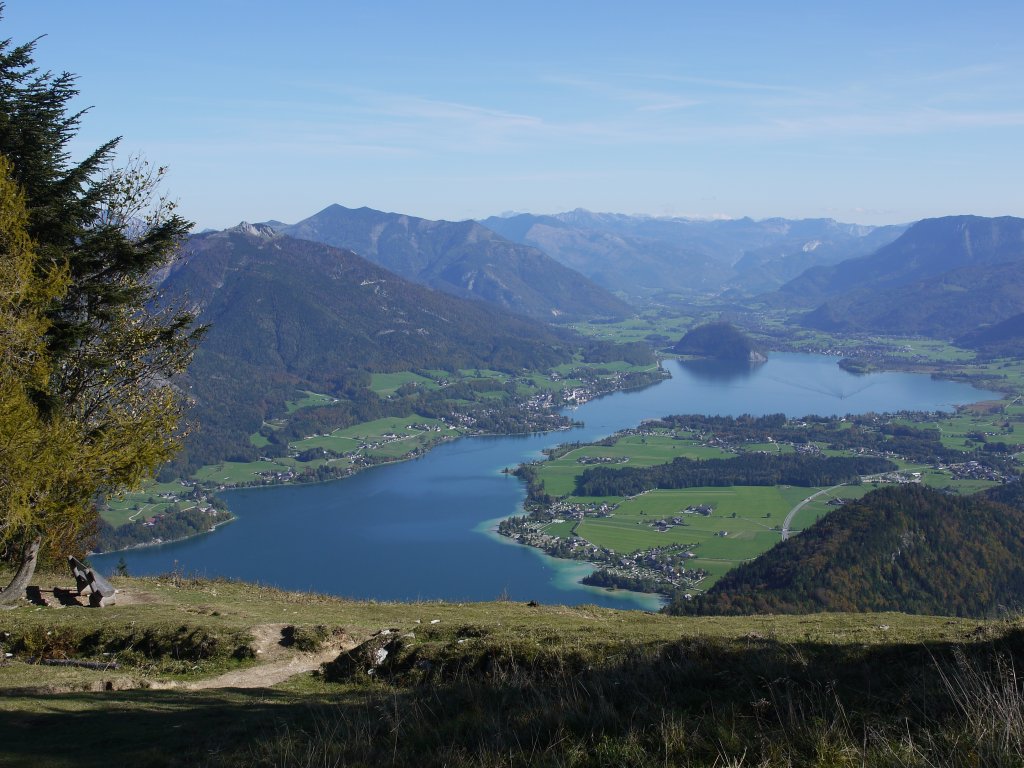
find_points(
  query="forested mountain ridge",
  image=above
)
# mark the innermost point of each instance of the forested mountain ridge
(942, 277)
(905, 548)
(926, 249)
(645, 255)
(289, 314)
(947, 306)
(464, 259)
(341, 311)
(1005, 338)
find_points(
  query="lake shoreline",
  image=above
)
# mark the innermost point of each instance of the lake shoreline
(426, 515)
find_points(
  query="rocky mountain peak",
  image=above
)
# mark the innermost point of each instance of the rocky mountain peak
(254, 230)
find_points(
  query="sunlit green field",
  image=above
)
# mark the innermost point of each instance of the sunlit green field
(385, 384)
(955, 429)
(352, 439)
(769, 447)
(481, 373)
(931, 349)
(531, 384)
(144, 503)
(746, 513)
(560, 475)
(233, 472)
(671, 325)
(310, 400)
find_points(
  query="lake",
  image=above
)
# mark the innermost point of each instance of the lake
(422, 529)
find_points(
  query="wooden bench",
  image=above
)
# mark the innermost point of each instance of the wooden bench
(100, 591)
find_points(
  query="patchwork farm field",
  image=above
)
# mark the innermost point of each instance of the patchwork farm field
(389, 438)
(739, 527)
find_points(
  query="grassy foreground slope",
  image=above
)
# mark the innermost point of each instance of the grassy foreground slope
(497, 684)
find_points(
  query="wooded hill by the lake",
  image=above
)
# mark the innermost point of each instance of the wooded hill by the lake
(906, 548)
(720, 341)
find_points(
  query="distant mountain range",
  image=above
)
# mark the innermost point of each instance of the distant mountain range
(641, 256)
(942, 277)
(464, 259)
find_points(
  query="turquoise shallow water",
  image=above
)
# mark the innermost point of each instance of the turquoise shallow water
(421, 529)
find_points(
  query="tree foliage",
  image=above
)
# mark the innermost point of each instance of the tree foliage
(88, 407)
(720, 340)
(748, 469)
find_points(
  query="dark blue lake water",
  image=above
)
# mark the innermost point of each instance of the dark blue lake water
(422, 529)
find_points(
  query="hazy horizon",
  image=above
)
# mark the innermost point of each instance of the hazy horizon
(873, 114)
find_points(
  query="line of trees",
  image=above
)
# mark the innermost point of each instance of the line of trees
(748, 469)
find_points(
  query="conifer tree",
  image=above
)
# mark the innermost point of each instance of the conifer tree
(87, 402)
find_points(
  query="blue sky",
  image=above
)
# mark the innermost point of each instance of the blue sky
(869, 112)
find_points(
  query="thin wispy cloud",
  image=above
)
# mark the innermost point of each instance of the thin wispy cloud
(642, 99)
(724, 84)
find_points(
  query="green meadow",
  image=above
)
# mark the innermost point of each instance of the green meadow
(389, 438)
(235, 472)
(374, 432)
(670, 325)
(144, 503)
(769, 447)
(745, 515)
(746, 519)
(481, 373)
(955, 430)
(559, 476)
(384, 384)
(929, 349)
(309, 400)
